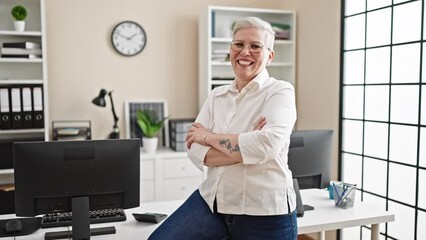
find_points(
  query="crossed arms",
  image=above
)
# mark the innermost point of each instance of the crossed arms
(224, 147)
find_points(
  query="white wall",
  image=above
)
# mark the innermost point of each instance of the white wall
(82, 60)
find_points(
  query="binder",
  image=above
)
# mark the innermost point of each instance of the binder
(25, 45)
(15, 93)
(5, 122)
(38, 114)
(27, 108)
(29, 56)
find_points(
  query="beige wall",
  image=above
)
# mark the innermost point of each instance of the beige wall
(81, 60)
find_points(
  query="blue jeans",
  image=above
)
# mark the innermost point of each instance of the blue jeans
(194, 220)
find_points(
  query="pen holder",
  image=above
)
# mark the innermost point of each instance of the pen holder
(344, 195)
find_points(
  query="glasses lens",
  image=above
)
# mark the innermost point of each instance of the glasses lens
(254, 47)
(237, 46)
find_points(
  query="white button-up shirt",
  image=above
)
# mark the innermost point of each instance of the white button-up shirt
(263, 182)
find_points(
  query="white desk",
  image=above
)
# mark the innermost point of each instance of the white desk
(328, 217)
(325, 217)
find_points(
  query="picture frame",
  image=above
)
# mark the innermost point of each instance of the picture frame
(158, 106)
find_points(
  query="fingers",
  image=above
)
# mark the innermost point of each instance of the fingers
(260, 124)
(198, 125)
(188, 144)
(189, 140)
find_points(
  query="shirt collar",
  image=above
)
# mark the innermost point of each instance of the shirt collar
(259, 81)
(255, 84)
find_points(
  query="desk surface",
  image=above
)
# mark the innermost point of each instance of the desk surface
(328, 217)
(325, 217)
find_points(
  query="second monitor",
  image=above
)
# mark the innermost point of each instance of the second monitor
(309, 157)
(76, 176)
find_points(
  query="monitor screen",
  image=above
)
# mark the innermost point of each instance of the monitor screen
(48, 175)
(309, 157)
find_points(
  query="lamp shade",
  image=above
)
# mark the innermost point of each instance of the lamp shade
(100, 100)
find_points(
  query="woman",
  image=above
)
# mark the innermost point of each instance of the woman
(242, 135)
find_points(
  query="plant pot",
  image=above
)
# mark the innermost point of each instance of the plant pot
(19, 26)
(150, 144)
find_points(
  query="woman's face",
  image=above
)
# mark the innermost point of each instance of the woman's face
(246, 64)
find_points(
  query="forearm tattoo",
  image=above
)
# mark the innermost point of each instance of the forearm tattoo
(226, 143)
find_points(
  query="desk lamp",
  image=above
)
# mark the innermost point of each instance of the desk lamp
(100, 101)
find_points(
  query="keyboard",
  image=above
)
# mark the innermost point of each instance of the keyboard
(96, 216)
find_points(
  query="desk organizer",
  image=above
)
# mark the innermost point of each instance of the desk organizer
(344, 194)
(178, 129)
(71, 130)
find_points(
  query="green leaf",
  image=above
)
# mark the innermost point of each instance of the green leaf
(148, 123)
(19, 13)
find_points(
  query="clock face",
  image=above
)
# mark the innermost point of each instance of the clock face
(128, 38)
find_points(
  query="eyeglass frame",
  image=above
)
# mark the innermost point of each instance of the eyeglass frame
(232, 43)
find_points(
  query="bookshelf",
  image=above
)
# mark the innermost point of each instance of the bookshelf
(215, 34)
(22, 73)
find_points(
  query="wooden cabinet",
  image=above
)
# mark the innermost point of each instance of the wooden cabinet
(22, 73)
(215, 35)
(168, 175)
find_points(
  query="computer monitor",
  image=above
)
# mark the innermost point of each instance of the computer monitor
(76, 176)
(309, 157)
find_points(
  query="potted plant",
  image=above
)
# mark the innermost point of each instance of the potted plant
(150, 126)
(19, 13)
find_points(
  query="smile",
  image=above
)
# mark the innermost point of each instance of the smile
(244, 62)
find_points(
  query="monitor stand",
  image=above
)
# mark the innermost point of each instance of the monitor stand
(80, 223)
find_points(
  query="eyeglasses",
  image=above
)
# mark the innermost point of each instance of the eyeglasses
(254, 47)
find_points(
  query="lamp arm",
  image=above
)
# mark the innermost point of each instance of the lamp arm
(113, 110)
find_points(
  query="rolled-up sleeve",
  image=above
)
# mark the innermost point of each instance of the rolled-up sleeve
(198, 152)
(280, 112)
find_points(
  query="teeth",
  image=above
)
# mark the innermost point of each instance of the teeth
(243, 62)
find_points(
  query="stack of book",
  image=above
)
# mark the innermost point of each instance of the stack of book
(28, 50)
(220, 55)
(282, 31)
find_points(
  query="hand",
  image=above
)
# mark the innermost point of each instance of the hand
(122, 36)
(196, 134)
(130, 38)
(260, 124)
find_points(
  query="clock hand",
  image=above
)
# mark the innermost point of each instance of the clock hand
(130, 38)
(122, 36)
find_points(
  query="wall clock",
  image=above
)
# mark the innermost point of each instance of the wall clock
(128, 38)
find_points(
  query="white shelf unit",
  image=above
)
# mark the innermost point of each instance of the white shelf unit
(215, 33)
(167, 175)
(22, 71)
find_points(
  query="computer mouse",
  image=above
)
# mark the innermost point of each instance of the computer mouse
(13, 225)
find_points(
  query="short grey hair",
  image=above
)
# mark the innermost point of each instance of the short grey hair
(256, 22)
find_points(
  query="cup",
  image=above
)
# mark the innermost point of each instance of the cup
(344, 194)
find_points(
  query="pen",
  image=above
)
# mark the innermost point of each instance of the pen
(348, 192)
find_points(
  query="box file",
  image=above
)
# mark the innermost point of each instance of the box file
(27, 108)
(5, 117)
(38, 114)
(15, 93)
